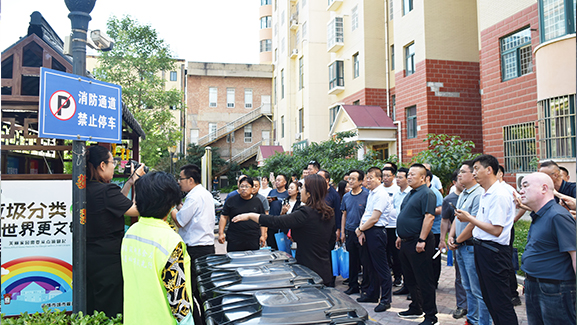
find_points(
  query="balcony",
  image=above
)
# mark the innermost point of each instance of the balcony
(336, 90)
(294, 22)
(335, 46)
(294, 53)
(333, 5)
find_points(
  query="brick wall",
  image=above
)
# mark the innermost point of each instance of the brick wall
(437, 111)
(506, 102)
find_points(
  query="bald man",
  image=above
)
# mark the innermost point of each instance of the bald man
(549, 257)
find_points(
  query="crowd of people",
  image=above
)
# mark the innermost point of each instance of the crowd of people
(394, 222)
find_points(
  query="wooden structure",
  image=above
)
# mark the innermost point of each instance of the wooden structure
(24, 155)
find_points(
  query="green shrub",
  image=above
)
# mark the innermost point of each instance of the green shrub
(521, 232)
(57, 317)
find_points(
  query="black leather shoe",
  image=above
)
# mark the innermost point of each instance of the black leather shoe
(367, 299)
(459, 313)
(403, 291)
(350, 291)
(382, 307)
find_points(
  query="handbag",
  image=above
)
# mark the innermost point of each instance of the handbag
(282, 242)
(335, 260)
(344, 262)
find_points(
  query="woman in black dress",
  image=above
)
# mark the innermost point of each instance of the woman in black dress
(106, 205)
(312, 226)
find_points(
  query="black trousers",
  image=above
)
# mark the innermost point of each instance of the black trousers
(436, 262)
(393, 253)
(354, 249)
(418, 275)
(376, 265)
(493, 269)
(195, 252)
(512, 273)
(249, 244)
(104, 284)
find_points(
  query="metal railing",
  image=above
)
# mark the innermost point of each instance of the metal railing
(245, 154)
(235, 125)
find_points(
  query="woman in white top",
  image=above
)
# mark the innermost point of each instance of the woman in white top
(264, 189)
(294, 198)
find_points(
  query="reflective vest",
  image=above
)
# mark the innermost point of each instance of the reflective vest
(146, 247)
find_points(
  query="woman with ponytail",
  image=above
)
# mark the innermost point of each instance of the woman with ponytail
(106, 206)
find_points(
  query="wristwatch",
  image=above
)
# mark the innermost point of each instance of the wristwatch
(420, 240)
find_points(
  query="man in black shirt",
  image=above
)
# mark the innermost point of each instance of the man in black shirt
(416, 244)
(244, 235)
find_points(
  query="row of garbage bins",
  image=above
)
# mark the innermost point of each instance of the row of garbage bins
(268, 287)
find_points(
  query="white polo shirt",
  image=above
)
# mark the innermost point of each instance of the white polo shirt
(197, 218)
(392, 190)
(379, 199)
(496, 207)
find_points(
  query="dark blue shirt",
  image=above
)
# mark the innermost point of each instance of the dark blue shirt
(231, 194)
(276, 206)
(416, 204)
(354, 205)
(333, 200)
(550, 238)
(447, 211)
(567, 188)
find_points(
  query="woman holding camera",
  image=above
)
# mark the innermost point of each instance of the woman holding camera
(311, 226)
(106, 206)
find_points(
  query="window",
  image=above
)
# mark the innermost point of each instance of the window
(407, 6)
(557, 127)
(276, 4)
(282, 18)
(391, 9)
(172, 75)
(266, 45)
(356, 65)
(301, 73)
(274, 89)
(212, 96)
(556, 18)
(304, 3)
(410, 59)
(230, 137)
(394, 107)
(336, 75)
(411, 122)
(519, 146)
(194, 136)
(282, 45)
(248, 133)
(357, 102)
(516, 54)
(265, 2)
(355, 18)
(282, 126)
(212, 131)
(275, 29)
(301, 119)
(392, 57)
(335, 33)
(298, 37)
(304, 27)
(265, 22)
(333, 111)
(282, 84)
(248, 98)
(230, 97)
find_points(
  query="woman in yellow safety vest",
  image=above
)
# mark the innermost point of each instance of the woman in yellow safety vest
(155, 263)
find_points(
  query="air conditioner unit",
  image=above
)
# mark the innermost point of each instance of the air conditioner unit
(519, 177)
(294, 53)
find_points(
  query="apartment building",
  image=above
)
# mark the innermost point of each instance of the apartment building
(265, 31)
(527, 51)
(229, 107)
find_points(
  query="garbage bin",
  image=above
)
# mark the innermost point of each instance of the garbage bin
(305, 305)
(251, 279)
(234, 260)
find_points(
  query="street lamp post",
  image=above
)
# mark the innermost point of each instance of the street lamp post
(79, 18)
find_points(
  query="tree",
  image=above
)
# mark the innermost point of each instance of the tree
(135, 63)
(445, 154)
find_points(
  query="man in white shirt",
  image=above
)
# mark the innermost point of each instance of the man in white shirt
(373, 238)
(491, 232)
(391, 228)
(195, 218)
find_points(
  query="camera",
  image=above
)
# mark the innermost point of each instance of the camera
(135, 165)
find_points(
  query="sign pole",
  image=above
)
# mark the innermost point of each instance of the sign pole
(79, 17)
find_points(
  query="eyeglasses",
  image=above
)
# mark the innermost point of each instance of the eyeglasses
(113, 162)
(244, 187)
(181, 178)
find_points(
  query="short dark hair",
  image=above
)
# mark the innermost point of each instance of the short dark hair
(488, 161)
(391, 169)
(192, 171)
(564, 169)
(156, 194)
(549, 163)
(403, 170)
(378, 172)
(429, 175)
(326, 174)
(247, 179)
(469, 164)
(315, 164)
(455, 175)
(359, 172)
(502, 169)
(347, 173)
(285, 180)
(421, 166)
(392, 164)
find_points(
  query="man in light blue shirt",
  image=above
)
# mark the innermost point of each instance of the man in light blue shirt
(436, 229)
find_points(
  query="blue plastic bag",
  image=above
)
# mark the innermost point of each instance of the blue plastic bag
(282, 242)
(344, 263)
(335, 260)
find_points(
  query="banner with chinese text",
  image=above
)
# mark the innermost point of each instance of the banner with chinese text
(36, 246)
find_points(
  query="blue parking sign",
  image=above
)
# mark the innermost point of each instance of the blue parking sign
(78, 108)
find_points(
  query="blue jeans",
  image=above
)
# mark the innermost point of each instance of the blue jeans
(477, 312)
(549, 303)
